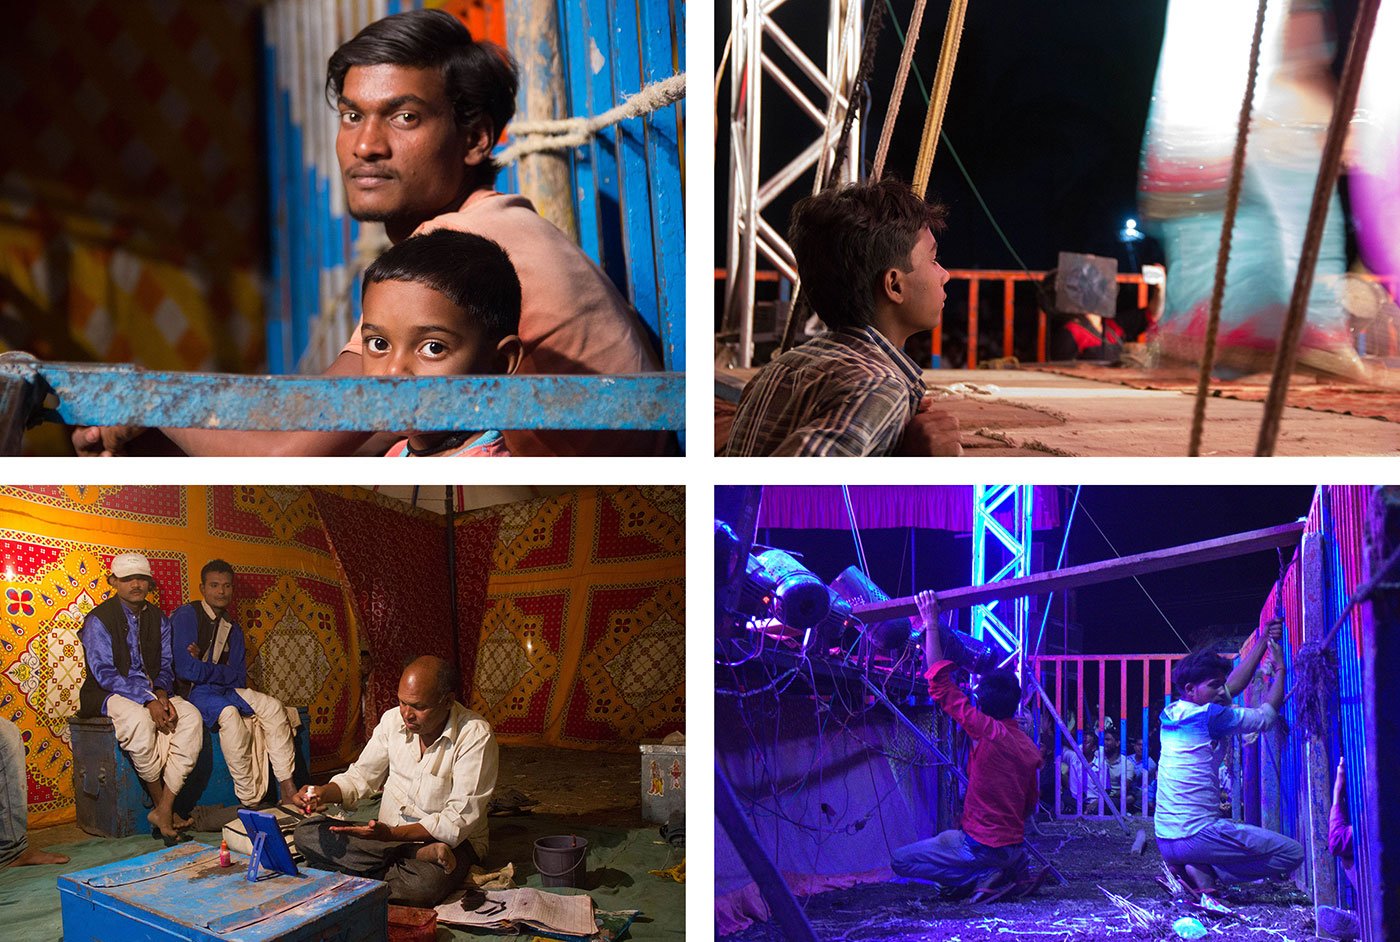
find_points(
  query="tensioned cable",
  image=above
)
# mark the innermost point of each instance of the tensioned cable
(952, 152)
(1059, 563)
(1137, 580)
(855, 531)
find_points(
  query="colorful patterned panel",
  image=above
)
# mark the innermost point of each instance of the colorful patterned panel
(55, 547)
(145, 503)
(631, 683)
(50, 585)
(534, 536)
(133, 228)
(517, 661)
(394, 560)
(299, 643)
(639, 523)
(268, 514)
(475, 538)
(584, 649)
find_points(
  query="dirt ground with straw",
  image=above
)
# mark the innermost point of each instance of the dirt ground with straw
(1093, 858)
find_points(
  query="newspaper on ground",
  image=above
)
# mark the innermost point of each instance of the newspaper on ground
(500, 909)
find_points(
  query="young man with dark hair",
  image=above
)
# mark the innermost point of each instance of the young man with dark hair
(211, 662)
(421, 104)
(1199, 845)
(868, 260)
(988, 855)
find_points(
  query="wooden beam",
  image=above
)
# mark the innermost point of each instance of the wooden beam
(1073, 577)
(1317, 779)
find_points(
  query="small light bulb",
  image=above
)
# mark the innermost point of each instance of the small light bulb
(1131, 224)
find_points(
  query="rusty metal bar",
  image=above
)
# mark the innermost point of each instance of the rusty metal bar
(972, 299)
(100, 394)
(1008, 318)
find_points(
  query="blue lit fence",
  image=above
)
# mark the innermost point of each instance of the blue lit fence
(626, 182)
(1318, 591)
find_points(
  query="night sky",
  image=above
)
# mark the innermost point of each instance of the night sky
(1047, 110)
(1203, 602)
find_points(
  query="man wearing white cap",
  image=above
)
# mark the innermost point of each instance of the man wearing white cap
(127, 649)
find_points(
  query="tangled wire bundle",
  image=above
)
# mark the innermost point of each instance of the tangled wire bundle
(1315, 667)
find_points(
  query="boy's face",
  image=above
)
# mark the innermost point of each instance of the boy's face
(409, 329)
(1211, 690)
(925, 283)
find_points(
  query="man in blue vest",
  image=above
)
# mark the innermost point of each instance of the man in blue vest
(126, 647)
(212, 665)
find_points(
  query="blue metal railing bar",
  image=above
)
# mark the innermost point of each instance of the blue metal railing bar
(102, 394)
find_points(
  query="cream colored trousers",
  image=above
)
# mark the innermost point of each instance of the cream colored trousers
(250, 742)
(157, 756)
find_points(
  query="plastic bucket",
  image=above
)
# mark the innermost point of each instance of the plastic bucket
(561, 860)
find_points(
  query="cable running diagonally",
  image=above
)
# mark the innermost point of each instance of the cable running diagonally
(1138, 581)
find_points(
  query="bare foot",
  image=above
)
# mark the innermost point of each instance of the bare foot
(180, 822)
(286, 794)
(440, 854)
(163, 823)
(36, 857)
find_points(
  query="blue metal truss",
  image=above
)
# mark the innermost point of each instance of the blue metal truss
(1001, 522)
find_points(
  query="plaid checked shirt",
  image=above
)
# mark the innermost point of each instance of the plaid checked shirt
(846, 392)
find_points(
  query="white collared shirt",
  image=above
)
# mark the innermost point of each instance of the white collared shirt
(446, 789)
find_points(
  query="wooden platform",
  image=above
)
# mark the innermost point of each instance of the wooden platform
(1094, 411)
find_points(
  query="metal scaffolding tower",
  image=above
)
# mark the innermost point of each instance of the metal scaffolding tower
(761, 48)
(1007, 628)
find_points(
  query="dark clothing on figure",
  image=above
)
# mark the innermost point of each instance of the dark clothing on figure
(110, 613)
(1076, 338)
(411, 882)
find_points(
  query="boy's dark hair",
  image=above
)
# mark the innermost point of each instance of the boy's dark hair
(1199, 666)
(215, 565)
(1110, 731)
(472, 272)
(480, 77)
(998, 693)
(846, 238)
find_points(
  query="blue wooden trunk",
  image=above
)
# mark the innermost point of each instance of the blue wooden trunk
(110, 801)
(183, 893)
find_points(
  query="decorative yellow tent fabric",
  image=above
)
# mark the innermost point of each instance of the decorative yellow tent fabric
(55, 547)
(573, 616)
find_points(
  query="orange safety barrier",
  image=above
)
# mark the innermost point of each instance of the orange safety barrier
(1380, 338)
(974, 278)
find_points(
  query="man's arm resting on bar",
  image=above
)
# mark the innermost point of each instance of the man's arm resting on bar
(91, 441)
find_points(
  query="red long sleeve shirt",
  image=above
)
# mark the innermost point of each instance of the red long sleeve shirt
(1002, 777)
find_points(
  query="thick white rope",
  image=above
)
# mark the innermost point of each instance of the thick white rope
(532, 137)
(911, 39)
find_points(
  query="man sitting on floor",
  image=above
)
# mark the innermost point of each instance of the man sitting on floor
(436, 761)
(126, 647)
(14, 805)
(869, 265)
(988, 855)
(211, 661)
